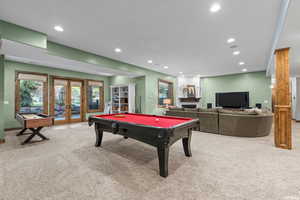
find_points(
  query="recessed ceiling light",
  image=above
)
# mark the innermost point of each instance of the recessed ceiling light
(58, 28)
(236, 52)
(118, 50)
(241, 63)
(215, 7)
(230, 40)
(150, 61)
(166, 67)
(244, 70)
(180, 72)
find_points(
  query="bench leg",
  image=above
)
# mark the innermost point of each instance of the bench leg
(99, 135)
(163, 158)
(186, 142)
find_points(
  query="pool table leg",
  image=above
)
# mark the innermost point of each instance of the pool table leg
(186, 142)
(163, 158)
(99, 135)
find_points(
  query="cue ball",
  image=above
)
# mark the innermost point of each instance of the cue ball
(157, 119)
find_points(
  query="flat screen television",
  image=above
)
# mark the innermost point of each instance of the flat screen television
(232, 100)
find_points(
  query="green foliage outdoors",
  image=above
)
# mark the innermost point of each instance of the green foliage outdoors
(28, 89)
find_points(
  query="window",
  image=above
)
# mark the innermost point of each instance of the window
(31, 93)
(165, 93)
(95, 96)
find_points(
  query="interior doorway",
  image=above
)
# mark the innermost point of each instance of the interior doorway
(67, 100)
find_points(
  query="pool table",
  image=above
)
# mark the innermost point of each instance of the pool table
(158, 131)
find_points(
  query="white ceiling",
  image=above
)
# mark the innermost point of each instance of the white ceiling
(183, 35)
(290, 36)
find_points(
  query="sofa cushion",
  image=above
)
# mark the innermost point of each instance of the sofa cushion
(208, 110)
(176, 109)
(191, 109)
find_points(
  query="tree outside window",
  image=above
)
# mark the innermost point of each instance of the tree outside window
(31, 96)
(31, 93)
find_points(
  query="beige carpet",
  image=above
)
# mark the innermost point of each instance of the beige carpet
(68, 166)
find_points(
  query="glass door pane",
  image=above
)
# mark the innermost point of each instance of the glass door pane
(31, 96)
(75, 99)
(60, 98)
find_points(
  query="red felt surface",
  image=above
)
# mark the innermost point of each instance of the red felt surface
(149, 120)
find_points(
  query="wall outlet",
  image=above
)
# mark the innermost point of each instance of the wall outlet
(6, 102)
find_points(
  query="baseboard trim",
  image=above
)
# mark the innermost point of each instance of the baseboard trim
(2, 141)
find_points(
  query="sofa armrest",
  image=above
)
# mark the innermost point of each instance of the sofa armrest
(209, 122)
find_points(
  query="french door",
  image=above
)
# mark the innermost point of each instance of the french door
(67, 101)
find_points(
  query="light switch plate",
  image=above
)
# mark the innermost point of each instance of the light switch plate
(5, 102)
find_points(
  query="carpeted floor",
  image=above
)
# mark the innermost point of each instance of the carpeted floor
(69, 167)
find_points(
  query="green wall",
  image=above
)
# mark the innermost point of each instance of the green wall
(256, 83)
(146, 90)
(9, 94)
(118, 80)
(2, 114)
(140, 95)
(23, 35)
(56, 49)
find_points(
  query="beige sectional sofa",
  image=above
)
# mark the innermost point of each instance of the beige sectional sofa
(246, 123)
